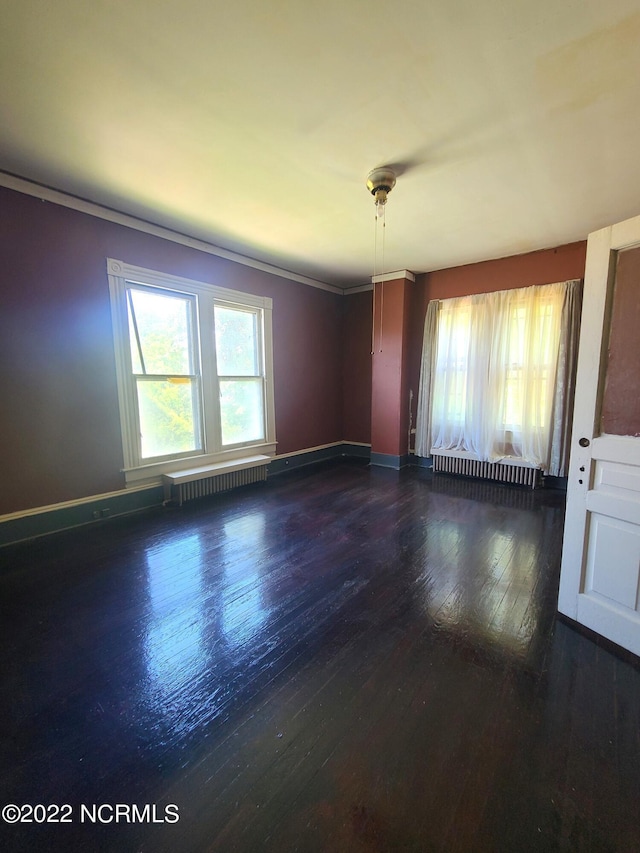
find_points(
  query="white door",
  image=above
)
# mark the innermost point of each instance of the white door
(600, 574)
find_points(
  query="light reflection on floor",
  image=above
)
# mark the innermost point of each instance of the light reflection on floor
(243, 612)
(186, 641)
(499, 608)
(175, 650)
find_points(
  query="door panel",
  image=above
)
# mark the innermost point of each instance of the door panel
(600, 575)
(610, 536)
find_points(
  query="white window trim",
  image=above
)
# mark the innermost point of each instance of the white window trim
(119, 274)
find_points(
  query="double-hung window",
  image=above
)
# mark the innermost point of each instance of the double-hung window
(195, 372)
(239, 368)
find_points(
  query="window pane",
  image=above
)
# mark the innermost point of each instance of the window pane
(450, 382)
(241, 410)
(167, 422)
(163, 331)
(236, 342)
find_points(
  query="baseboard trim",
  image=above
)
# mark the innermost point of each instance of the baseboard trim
(559, 483)
(421, 461)
(52, 519)
(315, 455)
(387, 460)
(42, 521)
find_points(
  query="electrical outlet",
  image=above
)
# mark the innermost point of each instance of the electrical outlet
(96, 513)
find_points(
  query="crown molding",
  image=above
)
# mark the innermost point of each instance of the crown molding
(360, 288)
(22, 185)
(393, 276)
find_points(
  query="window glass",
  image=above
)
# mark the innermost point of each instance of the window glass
(236, 342)
(163, 362)
(241, 410)
(168, 416)
(160, 333)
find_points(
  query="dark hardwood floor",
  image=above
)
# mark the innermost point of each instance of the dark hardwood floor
(342, 659)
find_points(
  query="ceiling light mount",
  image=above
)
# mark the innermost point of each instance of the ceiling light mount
(380, 182)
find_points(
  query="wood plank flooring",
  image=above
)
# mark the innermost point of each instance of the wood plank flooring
(341, 659)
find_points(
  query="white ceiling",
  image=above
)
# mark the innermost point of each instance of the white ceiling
(252, 125)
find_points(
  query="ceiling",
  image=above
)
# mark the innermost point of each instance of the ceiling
(512, 125)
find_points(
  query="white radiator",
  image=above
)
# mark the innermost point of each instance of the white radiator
(192, 483)
(220, 483)
(508, 471)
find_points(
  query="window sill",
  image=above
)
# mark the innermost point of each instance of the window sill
(188, 475)
(152, 475)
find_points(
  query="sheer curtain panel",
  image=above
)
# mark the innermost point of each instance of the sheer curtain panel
(427, 373)
(497, 375)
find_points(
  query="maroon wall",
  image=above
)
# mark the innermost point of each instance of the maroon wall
(357, 367)
(544, 267)
(560, 264)
(60, 425)
(621, 403)
(389, 395)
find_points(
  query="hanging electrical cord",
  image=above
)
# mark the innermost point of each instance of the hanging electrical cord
(381, 216)
(373, 282)
(380, 182)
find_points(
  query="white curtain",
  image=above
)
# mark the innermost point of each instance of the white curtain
(497, 374)
(427, 374)
(565, 380)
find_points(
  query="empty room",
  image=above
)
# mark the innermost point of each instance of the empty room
(320, 518)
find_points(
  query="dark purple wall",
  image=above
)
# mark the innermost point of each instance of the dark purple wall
(59, 424)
